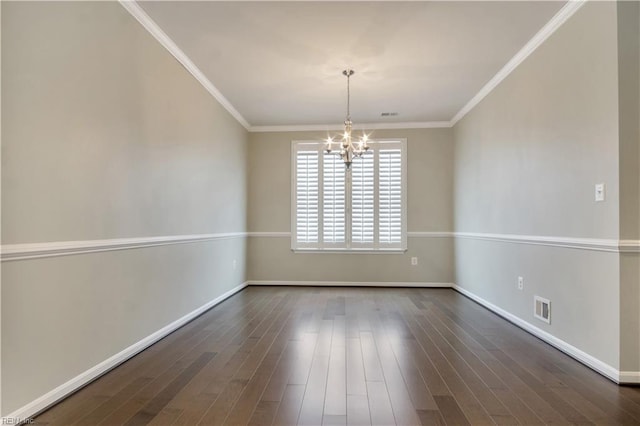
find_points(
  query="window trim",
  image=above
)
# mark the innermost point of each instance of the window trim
(319, 247)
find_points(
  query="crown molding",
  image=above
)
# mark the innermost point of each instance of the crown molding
(357, 126)
(150, 25)
(550, 27)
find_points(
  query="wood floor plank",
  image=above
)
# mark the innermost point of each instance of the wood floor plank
(403, 409)
(483, 393)
(397, 332)
(602, 394)
(428, 370)
(358, 410)
(147, 393)
(278, 381)
(313, 403)
(304, 358)
(450, 410)
(546, 393)
(472, 408)
(352, 310)
(431, 417)
(160, 400)
(250, 397)
(188, 400)
(380, 409)
(536, 402)
(114, 402)
(199, 394)
(165, 417)
(233, 390)
(372, 367)
(356, 382)
(333, 420)
(264, 413)
(510, 392)
(289, 408)
(457, 343)
(335, 401)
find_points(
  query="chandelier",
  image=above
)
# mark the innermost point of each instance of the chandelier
(349, 149)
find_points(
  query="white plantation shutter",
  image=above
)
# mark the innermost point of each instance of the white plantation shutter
(390, 196)
(333, 199)
(364, 209)
(307, 192)
(362, 199)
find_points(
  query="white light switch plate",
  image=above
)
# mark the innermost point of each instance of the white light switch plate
(599, 192)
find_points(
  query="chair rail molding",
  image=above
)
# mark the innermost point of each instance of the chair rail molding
(12, 252)
(594, 244)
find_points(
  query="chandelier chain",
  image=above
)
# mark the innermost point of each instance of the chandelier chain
(348, 96)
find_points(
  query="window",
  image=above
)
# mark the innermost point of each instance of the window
(364, 209)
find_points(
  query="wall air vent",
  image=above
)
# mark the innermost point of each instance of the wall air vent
(542, 309)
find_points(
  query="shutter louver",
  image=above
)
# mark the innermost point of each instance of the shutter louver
(390, 196)
(362, 199)
(333, 199)
(307, 196)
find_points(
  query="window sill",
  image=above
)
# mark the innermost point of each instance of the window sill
(349, 251)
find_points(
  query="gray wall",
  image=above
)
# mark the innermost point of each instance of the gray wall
(526, 161)
(429, 198)
(106, 136)
(629, 151)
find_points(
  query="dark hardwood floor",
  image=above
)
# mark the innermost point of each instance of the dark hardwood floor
(312, 356)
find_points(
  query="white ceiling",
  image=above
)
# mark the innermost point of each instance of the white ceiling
(280, 63)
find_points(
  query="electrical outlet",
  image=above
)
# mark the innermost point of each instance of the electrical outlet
(520, 283)
(414, 261)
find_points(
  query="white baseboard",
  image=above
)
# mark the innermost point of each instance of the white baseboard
(53, 396)
(353, 284)
(620, 377)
